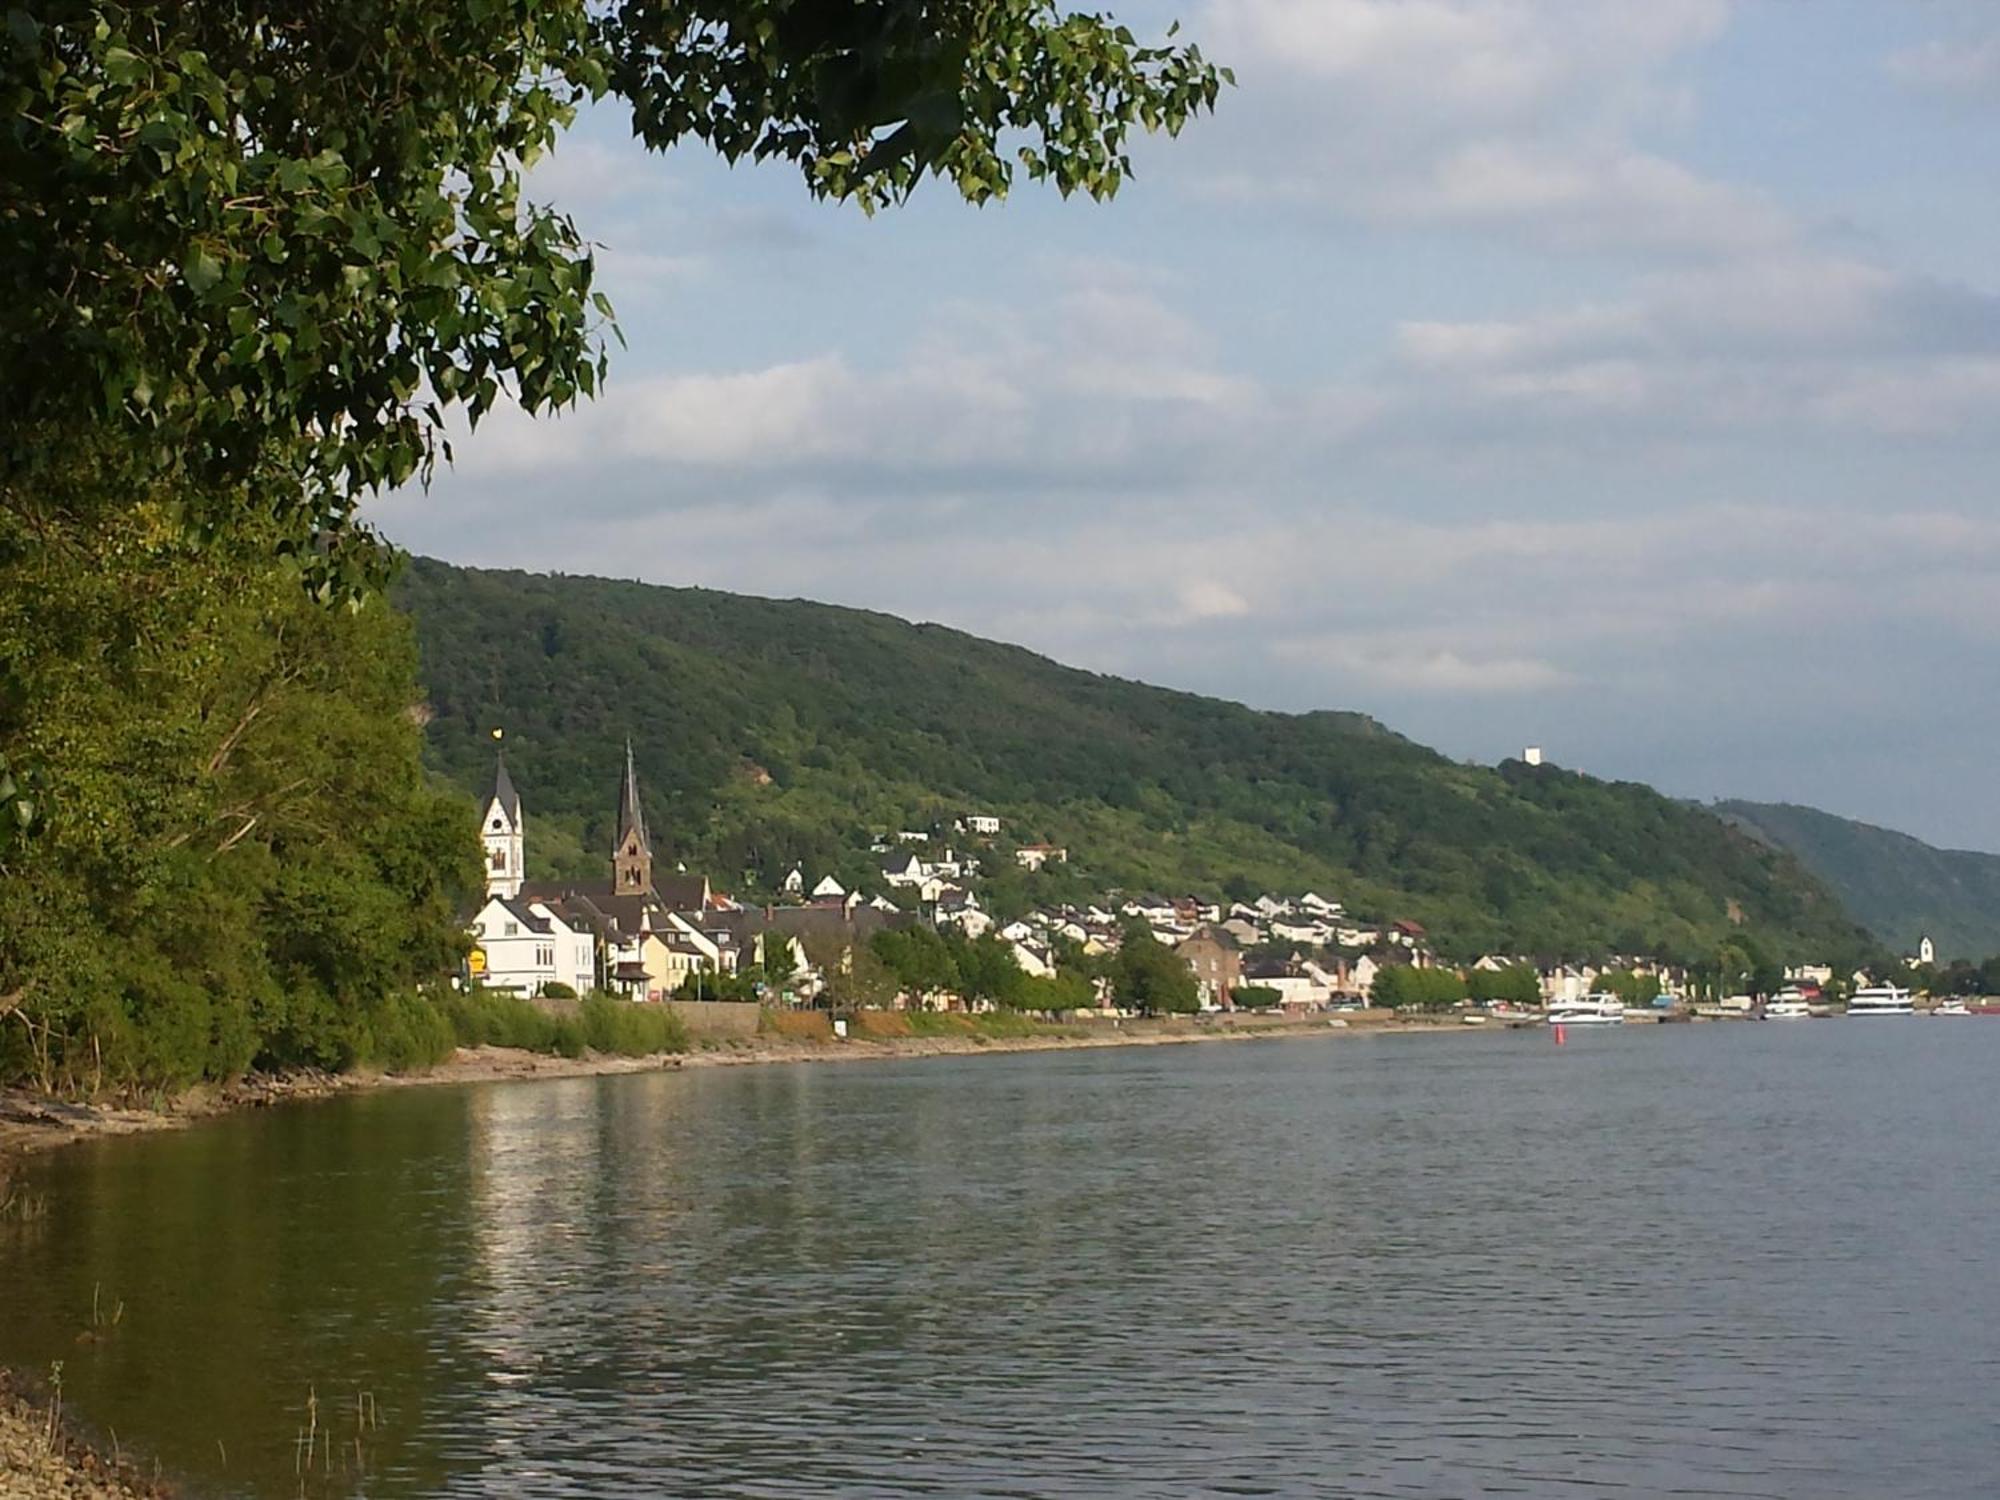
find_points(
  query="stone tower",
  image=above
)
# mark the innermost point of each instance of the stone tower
(504, 834)
(632, 854)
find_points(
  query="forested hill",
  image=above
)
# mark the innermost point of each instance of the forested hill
(769, 733)
(1900, 887)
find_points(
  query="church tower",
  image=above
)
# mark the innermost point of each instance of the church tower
(504, 835)
(632, 855)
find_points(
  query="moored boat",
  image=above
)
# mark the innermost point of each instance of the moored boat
(1589, 1010)
(1787, 1005)
(1881, 1000)
(1951, 1005)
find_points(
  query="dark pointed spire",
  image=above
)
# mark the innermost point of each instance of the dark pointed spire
(632, 856)
(631, 817)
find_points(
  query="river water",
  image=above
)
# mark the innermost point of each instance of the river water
(1703, 1260)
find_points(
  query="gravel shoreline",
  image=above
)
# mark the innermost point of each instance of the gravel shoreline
(41, 1460)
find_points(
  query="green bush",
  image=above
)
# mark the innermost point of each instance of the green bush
(403, 1034)
(555, 989)
(630, 1029)
(483, 1018)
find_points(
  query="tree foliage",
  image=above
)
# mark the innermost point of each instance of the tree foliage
(247, 863)
(1407, 987)
(267, 248)
(1147, 976)
(1517, 984)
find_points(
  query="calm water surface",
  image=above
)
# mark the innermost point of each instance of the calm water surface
(1721, 1260)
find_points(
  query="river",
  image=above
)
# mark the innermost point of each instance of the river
(1700, 1260)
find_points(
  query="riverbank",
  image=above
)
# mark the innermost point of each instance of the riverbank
(42, 1459)
(31, 1122)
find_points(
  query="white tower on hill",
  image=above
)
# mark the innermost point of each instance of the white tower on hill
(502, 832)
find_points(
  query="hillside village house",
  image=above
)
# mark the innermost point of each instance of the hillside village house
(1217, 965)
(524, 947)
(980, 823)
(1034, 856)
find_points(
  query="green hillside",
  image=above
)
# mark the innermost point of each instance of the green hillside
(1899, 887)
(772, 732)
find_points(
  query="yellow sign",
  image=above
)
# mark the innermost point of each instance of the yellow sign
(475, 961)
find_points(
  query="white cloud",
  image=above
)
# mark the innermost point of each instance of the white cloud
(1211, 599)
(1968, 68)
(1516, 114)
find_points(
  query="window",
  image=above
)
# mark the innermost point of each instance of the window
(499, 859)
(496, 825)
(512, 929)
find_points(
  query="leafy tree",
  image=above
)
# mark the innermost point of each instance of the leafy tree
(988, 970)
(1517, 984)
(920, 959)
(857, 978)
(1146, 976)
(268, 248)
(1405, 986)
(1630, 986)
(1255, 997)
(706, 984)
(1065, 990)
(777, 961)
(247, 864)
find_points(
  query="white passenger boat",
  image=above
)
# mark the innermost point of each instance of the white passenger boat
(1787, 1005)
(1881, 1000)
(1591, 1010)
(1950, 1007)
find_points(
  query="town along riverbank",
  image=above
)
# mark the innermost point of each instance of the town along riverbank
(35, 1122)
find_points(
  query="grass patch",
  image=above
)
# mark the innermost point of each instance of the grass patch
(795, 1025)
(565, 1029)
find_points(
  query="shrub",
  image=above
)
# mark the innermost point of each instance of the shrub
(628, 1029)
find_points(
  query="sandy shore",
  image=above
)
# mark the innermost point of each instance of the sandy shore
(33, 1122)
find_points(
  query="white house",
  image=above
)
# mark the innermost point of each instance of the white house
(902, 870)
(981, 823)
(523, 946)
(795, 882)
(1034, 856)
(1035, 962)
(828, 888)
(961, 909)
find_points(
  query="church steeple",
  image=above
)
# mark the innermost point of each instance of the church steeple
(503, 832)
(632, 855)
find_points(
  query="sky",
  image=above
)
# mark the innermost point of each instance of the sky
(1622, 379)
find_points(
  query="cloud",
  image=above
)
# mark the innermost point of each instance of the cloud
(1210, 599)
(1499, 114)
(1963, 69)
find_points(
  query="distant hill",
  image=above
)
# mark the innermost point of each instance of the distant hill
(770, 732)
(1899, 887)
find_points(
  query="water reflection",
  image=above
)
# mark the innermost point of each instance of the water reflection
(1668, 1262)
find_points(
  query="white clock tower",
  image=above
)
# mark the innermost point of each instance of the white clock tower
(502, 832)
